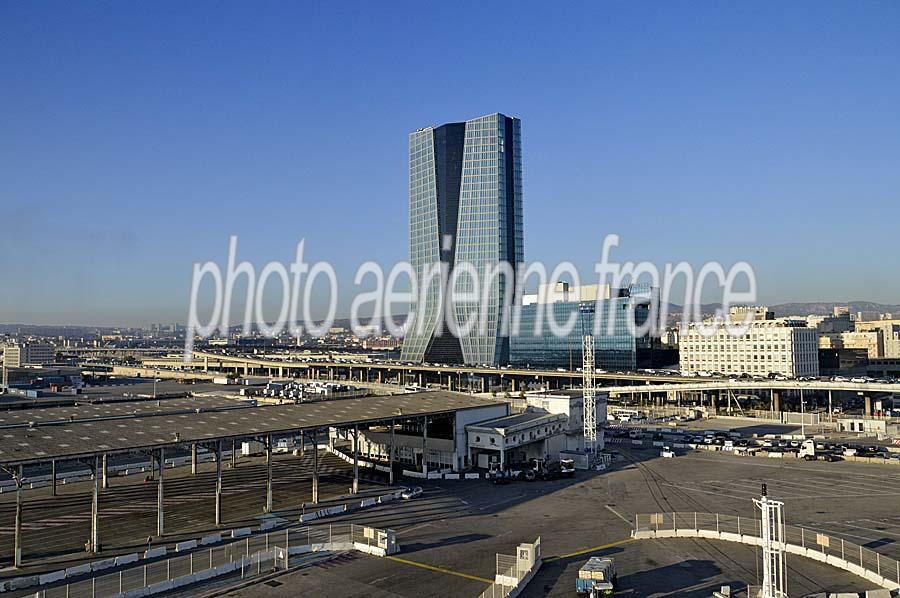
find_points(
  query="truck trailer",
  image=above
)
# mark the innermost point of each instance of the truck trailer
(597, 577)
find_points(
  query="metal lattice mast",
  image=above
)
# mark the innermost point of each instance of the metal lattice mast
(589, 392)
(774, 583)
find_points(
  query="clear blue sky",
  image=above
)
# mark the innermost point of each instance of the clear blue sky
(136, 136)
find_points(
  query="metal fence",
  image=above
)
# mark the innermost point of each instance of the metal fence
(513, 568)
(805, 538)
(257, 554)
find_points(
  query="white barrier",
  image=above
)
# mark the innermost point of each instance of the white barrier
(186, 545)
(155, 552)
(240, 532)
(127, 558)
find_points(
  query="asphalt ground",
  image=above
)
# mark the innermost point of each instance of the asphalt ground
(449, 537)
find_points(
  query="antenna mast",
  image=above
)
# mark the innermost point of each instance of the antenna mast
(774, 583)
(589, 393)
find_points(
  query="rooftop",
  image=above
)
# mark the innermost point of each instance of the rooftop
(508, 422)
(71, 440)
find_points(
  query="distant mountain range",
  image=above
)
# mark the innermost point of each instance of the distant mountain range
(820, 308)
(826, 308)
(817, 308)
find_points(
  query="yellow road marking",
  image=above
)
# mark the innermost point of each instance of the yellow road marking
(441, 570)
(490, 581)
(588, 550)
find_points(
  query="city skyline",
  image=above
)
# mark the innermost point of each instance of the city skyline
(133, 148)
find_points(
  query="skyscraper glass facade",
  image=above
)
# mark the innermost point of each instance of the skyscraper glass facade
(613, 351)
(465, 201)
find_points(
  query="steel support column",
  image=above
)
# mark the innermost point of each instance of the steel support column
(104, 469)
(53, 478)
(233, 453)
(315, 484)
(391, 457)
(219, 482)
(355, 488)
(95, 503)
(194, 458)
(269, 473)
(160, 515)
(425, 446)
(17, 546)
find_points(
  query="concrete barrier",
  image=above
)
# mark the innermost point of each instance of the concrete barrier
(155, 552)
(210, 539)
(472, 476)
(186, 545)
(104, 564)
(19, 583)
(451, 476)
(78, 570)
(51, 577)
(127, 558)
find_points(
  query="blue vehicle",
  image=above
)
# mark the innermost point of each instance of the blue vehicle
(597, 577)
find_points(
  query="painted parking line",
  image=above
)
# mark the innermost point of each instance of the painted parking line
(589, 550)
(440, 569)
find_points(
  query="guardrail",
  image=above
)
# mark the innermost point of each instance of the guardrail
(832, 550)
(247, 557)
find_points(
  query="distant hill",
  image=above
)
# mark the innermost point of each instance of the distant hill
(827, 308)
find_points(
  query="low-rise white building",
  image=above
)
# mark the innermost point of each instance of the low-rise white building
(784, 347)
(516, 438)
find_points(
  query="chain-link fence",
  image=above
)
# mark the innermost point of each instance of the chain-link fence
(798, 536)
(249, 556)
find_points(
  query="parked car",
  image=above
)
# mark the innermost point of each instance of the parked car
(414, 492)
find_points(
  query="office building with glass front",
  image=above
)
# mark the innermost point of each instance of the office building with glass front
(465, 207)
(616, 348)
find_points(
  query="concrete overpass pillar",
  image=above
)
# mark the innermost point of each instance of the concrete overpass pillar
(868, 406)
(776, 402)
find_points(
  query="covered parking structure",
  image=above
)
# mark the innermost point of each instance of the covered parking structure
(92, 441)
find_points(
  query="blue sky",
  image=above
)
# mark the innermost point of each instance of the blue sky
(135, 137)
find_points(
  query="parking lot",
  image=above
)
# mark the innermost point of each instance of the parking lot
(450, 535)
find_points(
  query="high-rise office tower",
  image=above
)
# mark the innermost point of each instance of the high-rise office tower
(465, 207)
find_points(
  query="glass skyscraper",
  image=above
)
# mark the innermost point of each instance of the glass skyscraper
(465, 207)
